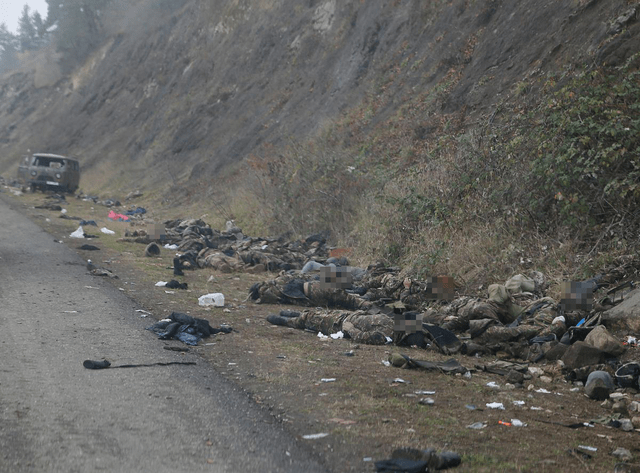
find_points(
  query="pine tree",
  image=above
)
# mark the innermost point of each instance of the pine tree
(8, 48)
(27, 31)
(78, 26)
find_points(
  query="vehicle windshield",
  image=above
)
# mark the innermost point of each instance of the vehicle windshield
(49, 162)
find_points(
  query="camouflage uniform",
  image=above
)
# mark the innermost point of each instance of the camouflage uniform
(360, 326)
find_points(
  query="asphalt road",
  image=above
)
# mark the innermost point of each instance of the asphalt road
(57, 416)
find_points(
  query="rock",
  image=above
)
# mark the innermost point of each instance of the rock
(607, 404)
(515, 377)
(636, 422)
(599, 385)
(582, 354)
(622, 454)
(556, 352)
(600, 338)
(535, 371)
(634, 406)
(546, 379)
(626, 425)
(626, 315)
(620, 407)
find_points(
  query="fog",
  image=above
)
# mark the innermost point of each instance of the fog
(11, 10)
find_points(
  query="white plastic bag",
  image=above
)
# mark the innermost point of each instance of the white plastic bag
(215, 299)
(79, 233)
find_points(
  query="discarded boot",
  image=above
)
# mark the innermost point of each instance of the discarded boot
(96, 365)
(289, 313)
(177, 267)
(278, 320)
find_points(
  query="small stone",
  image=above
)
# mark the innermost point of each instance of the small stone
(626, 425)
(634, 406)
(622, 454)
(620, 407)
(617, 396)
(636, 422)
(509, 386)
(578, 383)
(608, 404)
(546, 379)
(535, 371)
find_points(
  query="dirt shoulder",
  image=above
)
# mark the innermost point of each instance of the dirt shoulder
(369, 409)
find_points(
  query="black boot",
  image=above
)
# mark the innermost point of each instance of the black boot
(177, 267)
(96, 365)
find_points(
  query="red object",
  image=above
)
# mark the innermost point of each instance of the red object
(114, 216)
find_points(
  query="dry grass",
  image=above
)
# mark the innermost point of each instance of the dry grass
(367, 412)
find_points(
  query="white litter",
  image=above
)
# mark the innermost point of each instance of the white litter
(63, 211)
(171, 247)
(493, 384)
(518, 423)
(315, 436)
(214, 299)
(337, 335)
(425, 392)
(384, 362)
(79, 233)
(518, 403)
(533, 408)
(327, 380)
(477, 426)
(389, 340)
(587, 447)
(543, 391)
(399, 380)
(495, 405)
(161, 283)
(322, 336)
(106, 231)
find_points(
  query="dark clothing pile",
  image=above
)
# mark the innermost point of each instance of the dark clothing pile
(187, 329)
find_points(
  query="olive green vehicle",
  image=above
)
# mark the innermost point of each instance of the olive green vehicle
(46, 171)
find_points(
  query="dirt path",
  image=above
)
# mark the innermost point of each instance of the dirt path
(55, 415)
(370, 408)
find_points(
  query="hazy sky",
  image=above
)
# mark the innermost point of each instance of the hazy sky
(11, 10)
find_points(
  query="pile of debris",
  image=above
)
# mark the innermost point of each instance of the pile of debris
(200, 246)
(517, 319)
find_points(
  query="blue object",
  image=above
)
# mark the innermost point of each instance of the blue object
(580, 323)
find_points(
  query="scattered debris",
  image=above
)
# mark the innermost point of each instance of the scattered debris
(214, 299)
(315, 436)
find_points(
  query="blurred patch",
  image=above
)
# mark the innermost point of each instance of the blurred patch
(577, 295)
(332, 277)
(409, 322)
(440, 288)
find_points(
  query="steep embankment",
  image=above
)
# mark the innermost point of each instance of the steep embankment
(174, 104)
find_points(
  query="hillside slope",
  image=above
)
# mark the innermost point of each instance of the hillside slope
(179, 104)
